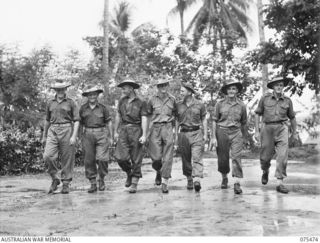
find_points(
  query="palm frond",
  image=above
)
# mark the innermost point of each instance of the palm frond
(198, 15)
(243, 4)
(241, 16)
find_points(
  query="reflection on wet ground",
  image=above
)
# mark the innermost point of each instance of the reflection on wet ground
(260, 210)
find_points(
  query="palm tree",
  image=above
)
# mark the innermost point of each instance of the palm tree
(262, 39)
(105, 59)
(217, 18)
(181, 6)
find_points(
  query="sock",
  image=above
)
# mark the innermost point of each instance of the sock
(165, 181)
(224, 176)
(279, 182)
(196, 179)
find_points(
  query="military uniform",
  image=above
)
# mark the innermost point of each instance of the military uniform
(61, 116)
(95, 140)
(274, 132)
(191, 144)
(161, 139)
(229, 118)
(128, 151)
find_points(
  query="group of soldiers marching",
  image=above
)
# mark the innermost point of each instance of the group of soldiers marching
(164, 125)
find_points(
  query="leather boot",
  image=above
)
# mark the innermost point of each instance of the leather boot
(282, 189)
(134, 185)
(102, 185)
(264, 178)
(54, 185)
(129, 180)
(158, 179)
(65, 188)
(93, 188)
(237, 189)
(190, 183)
(224, 183)
(197, 186)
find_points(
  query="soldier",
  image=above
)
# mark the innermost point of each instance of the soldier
(162, 107)
(59, 136)
(275, 109)
(132, 112)
(94, 119)
(191, 115)
(229, 126)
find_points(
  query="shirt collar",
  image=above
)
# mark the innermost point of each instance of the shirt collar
(236, 100)
(281, 96)
(192, 101)
(56, 99)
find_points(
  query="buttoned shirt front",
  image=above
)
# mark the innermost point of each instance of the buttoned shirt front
(62, 112)
(162, 110)
(273, 109)
(230, 114)
(93, 118)
(191, 115)
(131, 110)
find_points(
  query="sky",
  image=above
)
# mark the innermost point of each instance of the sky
(63, 23)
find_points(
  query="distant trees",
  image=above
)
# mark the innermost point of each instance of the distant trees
(295, 46)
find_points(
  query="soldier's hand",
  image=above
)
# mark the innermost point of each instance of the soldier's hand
(257, 137)
(214, 142)
(115, 137)
(142, 139)
(73, 140)
(43, 141)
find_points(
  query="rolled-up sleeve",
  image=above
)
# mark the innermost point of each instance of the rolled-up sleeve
(260, 107)
(203, 112)
(149, 107)
(106, 115)
(244, 115)
(291, 114)
(75, 111)
(48, 114)
(215, 113)
(144, 110)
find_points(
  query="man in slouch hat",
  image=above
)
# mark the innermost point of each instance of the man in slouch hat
(59, 136)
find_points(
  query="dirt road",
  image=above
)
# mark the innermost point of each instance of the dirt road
(27, 209)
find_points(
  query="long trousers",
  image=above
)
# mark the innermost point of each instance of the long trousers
(160, 148)
(129, 152)
(96, 153)
(275, 139)
(191, 146)
(58, 142)
(229, 142)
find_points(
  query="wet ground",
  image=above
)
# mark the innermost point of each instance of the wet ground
(27, 209)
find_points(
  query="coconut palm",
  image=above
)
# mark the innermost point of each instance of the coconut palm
(221, 14)
(180, 8)
(217, 18)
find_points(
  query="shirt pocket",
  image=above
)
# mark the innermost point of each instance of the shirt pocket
(135, 111)
(236, 115)
(270, 107)
(157, 109)
(283, 110)
(168, 109)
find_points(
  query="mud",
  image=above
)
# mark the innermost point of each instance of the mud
(27, 209)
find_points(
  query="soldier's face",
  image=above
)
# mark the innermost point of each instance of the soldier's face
(126, 90)
(232, 91)
(61, 92)
(163, 88)
(93, 97)
(184, 92)
(278, 87)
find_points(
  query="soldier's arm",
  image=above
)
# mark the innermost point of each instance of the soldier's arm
(116, 125)
(45, 129)
(144, 125)
(110, 129)
(75, 129)
(205, 128)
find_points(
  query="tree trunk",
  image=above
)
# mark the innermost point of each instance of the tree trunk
(262, 39)
(105, 58)
(181, 22)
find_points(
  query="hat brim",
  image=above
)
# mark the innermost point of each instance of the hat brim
(162, 83)
(86, 93)
(273, 82)
(226, 86)
(189, 88)
(60, 86)
(133, 85)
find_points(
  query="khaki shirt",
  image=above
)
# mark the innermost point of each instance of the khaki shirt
(93, 118)
(192, 115)
(230, 114)
(273, 110)
(162, 110)
(131, 111)
(64, 112)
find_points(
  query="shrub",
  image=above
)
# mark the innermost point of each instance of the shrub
(22, 152)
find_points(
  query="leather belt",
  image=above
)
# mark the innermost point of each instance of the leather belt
(61, 124)
(189, 129)
(275, 122)
(95, 129)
